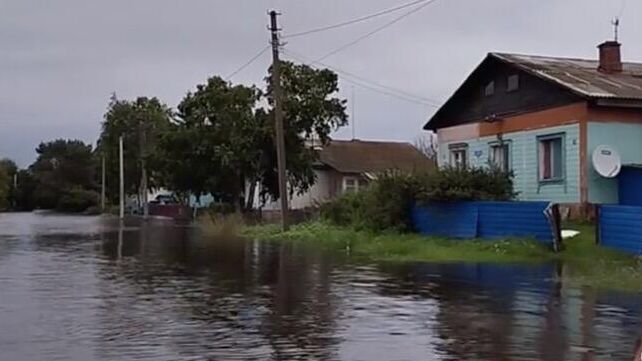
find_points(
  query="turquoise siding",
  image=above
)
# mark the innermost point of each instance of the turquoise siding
(627, 140)
(523, 153)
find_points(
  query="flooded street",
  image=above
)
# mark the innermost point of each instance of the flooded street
(77, 288)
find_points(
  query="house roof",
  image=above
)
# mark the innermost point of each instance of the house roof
(358, 156)
(581, 76)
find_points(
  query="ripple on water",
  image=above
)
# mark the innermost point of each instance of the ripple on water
(77, 288)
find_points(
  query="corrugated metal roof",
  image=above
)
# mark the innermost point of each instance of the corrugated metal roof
(357, 156)
(581, 75)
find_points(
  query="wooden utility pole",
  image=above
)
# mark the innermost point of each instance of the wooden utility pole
(122, 178)
(278, 119)
(353, 120)
(143, 173)
(102, 186)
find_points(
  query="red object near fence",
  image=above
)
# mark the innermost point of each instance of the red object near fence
(175, 211)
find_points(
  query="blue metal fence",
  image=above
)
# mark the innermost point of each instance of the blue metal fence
(457, 220)
(514, 219)
(487, 220)
(620, 228)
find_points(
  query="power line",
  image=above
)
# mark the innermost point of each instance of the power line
(369, 84)
(248, 63)
(384, 26)
(401, 97)
(376, 87)
(373, 86)
(354, 21)
(340, 71)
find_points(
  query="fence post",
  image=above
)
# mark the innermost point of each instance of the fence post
(557, 219)
(598, 216)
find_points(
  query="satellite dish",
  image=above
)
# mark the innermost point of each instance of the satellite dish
(606, 161)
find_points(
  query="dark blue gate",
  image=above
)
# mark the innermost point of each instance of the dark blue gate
(630, 186)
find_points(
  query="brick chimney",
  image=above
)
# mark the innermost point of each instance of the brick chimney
(610, 59)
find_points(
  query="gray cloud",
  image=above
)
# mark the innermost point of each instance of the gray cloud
(61, 59)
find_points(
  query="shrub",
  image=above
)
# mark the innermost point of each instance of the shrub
(345, 210)
(467, 184)
(77, 200)
(386, 204)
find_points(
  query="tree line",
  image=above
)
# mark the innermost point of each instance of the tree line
(219, 140)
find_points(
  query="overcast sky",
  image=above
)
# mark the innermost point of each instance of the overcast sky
(60, 60)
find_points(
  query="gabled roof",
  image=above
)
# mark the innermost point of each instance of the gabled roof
(581, 75)
(358, 156)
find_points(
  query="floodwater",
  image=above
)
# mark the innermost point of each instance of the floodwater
(82, 288)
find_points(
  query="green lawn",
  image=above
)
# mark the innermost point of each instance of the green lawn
(585, 263)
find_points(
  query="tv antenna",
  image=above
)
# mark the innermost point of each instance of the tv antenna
(616, 24)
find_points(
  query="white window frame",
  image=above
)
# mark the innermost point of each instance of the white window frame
(541, 140)
(459, 156)
(505, 162)
(350, 188)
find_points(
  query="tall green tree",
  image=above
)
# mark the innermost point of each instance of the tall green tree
(24, 196)
(139, 122)
(16, 187)
(63, 167)
(212, 147)
(8, 170)
(5, 187)
(223, 140)
(312, 111)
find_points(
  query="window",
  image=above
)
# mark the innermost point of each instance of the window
(354, 184)
(551, 158)
(489, 89)
(499, 156)
(513, 83)
(350, 185)
(459, 155)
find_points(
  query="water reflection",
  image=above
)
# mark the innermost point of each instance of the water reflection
(77, 288)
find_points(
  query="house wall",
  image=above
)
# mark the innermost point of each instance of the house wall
(323, 189)
(626, 138)
(523, 151)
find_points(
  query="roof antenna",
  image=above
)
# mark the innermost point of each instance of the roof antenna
(616, 25)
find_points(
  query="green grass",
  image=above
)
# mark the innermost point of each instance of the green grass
(591, 265)
(586, 264)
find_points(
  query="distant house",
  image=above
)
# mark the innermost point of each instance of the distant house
(542, 117)
(350, 165)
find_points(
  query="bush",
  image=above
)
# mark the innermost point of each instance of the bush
(386, 204)
(467, 184)
(346, 210)
(77, 200)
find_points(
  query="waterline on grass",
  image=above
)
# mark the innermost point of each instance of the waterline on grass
(584, 263)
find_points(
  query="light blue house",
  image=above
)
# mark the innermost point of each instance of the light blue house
(542, 118)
